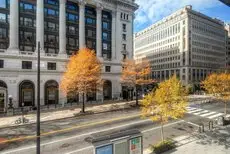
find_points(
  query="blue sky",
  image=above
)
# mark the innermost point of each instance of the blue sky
(151, 11)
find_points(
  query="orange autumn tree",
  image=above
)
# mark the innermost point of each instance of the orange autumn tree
(218, 84)
(83, 74)
(136, 73)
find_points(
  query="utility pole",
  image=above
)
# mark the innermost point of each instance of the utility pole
(38, 99)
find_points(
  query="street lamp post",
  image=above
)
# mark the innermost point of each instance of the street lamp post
(38, 100)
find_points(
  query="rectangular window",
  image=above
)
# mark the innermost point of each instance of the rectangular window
(124, 27)
(3, 4)
(72, 17)
(28, 48)
(28, 36)
(71, 6)
(51, 12)
(105, 46)
(2, 33)
(28, 7)
(89, 44)
(107, 68)
(51, 26)
(72, 42)
(89, 33)
(105, 36)
(90, 21)
(26, 64)
(105, 16)
(51, 39)
(124, 37)
(51, 66)
(2, 17)
(72, 30)
(124, 56)
(124, 47)
(1, 63)
(28, 22)
(52, 2)
(105, 25)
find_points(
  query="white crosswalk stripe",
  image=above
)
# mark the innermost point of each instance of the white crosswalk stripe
(207, 114)
(197, 110)
(191, 109)
(204, 113)
(215, 116)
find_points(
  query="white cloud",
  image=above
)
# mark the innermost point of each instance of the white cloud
(153, 10)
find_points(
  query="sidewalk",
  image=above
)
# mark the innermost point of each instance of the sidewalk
(65, 113)
(209, 142)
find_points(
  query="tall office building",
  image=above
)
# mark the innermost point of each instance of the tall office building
(227, 27)
(61, 27)
(186, 43)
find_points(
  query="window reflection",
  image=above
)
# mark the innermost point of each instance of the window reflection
(2, 33)
(3, 3)
(2, 17)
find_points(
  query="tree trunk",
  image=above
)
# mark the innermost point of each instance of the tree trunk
(136, 96)
(83, 103)
(162, 132)
(225, 107)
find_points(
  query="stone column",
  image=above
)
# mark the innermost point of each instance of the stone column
(82, 24)
(40, 24)
(14, 26)
(62, 27)
(99, 29)
(114, 35)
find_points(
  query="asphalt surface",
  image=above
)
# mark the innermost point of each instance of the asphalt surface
(68, 135)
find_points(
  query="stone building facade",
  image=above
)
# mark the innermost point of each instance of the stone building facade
(186, 43)
(61, 27)
(227, 27)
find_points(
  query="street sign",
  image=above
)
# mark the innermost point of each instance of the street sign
(108, 149)
(135, 146)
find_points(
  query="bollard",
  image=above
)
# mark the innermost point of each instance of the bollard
(201, 128)
(210, 125)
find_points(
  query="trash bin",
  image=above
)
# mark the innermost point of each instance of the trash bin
(120, 142)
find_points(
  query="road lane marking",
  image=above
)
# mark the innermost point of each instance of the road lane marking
(89, 133)
(77, 136)
(199, 113)
(86, 148)
(87, 124)
(144, 131)
(190, 108)
(207, 114)
(216, 115)
(197, 110)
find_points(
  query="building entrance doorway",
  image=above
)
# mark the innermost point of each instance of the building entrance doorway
(26, 94)
(3, 96)
(2, 100)
(51, 92)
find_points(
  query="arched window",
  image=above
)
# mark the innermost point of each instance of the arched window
(51, 92)
(26, 93)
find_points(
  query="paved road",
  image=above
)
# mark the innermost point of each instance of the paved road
(67, 136)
